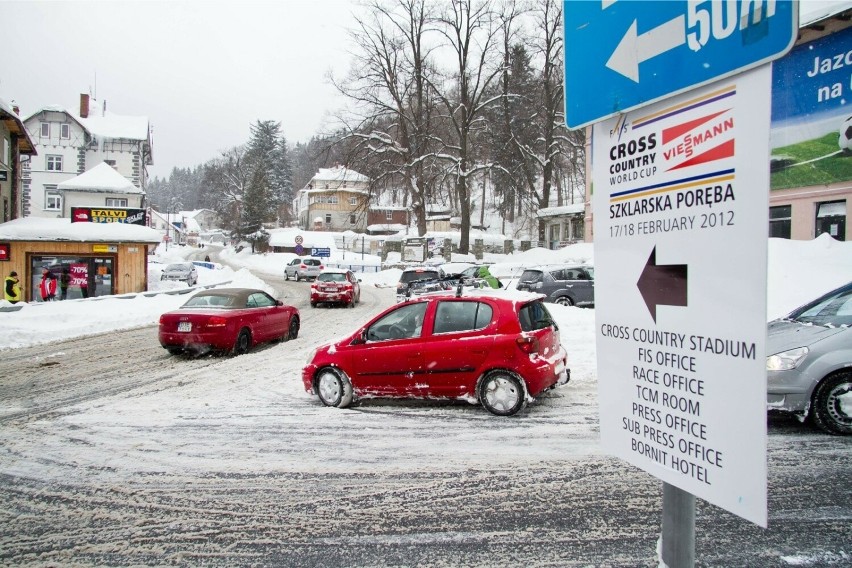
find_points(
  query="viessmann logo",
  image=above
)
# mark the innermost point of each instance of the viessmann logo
(699, 141)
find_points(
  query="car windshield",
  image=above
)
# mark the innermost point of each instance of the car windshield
(534, 316)
(530, 276)
(332, 277)
(210, 301)
(178, 267)
(413, 276)
(835, 310)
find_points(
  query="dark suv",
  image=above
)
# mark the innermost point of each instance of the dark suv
(417, 280)
(565, 284)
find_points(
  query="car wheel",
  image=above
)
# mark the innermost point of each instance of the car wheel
(298, 278)
(313, 304)
(563, 301)
(502, 393)
(333, 387)
(286, 275)
(243, 342)
(293, 332)
(352, 303)
(829, 413)
(174, 350)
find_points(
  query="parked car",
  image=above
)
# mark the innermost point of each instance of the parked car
(416, 274)
(809, 369)
(479, 347)
(564, 284)
(227, 319)
(303, 267)
(336, 286)
(181, 271)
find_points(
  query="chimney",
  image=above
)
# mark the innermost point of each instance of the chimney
(15, 108)
(84, 105)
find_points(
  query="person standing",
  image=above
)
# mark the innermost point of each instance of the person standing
(47, 286)
(64, 281)
(12, 288)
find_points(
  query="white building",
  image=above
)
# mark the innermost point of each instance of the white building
(70, 144)
(334, 200)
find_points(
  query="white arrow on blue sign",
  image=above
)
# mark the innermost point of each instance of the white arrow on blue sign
(624, 54)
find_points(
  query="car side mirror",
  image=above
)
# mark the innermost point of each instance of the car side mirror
(361, 339)
(279, 303)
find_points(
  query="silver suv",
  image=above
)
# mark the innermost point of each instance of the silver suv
(418, 280)
(303, 267)
(809, 363)
(565, 284)
(181, 271)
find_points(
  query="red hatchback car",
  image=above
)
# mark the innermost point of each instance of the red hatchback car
(227, 319)
(336, 286)
(497, 348)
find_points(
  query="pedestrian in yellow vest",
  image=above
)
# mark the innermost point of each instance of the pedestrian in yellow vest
(12, 288)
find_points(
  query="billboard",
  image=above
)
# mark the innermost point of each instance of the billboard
(811, 130)
(108, 215)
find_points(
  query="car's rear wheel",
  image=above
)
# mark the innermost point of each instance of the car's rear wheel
(313, 304)
(174, 350)
(564, 301)
(333, 387)
(829, 412)
(502, 393)
(298, 278)
(243, 342)
(293, 331)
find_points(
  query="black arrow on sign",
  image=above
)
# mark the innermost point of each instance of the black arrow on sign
(662, 285)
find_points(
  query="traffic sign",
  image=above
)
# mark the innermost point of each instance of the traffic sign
(320, 252)
(681, 209)
(299, 240)
(620, 54)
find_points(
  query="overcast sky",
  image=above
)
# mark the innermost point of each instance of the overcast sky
(201, 71)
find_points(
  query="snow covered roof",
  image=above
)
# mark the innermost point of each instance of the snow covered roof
(310, 239)
(47, 229)
(389, 208)
(106, 124)
(336, 189)
(571, 209)
(396, 227)
(339, 173)
(101, 178)
(14, 124)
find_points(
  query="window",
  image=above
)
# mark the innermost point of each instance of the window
(65, 131)
(54, 163)
(535, 316)
(45, 130)
(779, 221)
(461, 316)
(577, 230)
(352, 219)
(328, 218)
(115, 202)
(111, 163)
(831, 219)
(52, 198)
(389, 215)
(353, 201)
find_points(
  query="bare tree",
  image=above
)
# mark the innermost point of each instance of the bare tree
(471, 31)
(227, 177)
(390, 133)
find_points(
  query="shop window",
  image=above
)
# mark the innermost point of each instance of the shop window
(780, 219)
(54, 163)
(52, 198)
(831, 219)
(86, 276)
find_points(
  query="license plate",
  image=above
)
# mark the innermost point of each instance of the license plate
(185, 326)
(327, 289)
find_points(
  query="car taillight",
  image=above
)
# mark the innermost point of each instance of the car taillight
(347, 287)
(217, 321)
(322, 267)
(302, 266)
(527, 344)
(162, 322)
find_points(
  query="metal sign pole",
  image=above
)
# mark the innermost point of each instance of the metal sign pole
(678, 549)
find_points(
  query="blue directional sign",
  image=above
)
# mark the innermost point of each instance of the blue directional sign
(623, 54)
(320, 252)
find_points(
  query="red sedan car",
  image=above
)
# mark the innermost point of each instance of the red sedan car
(227, 319)
(336, 286)
(493, 347)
